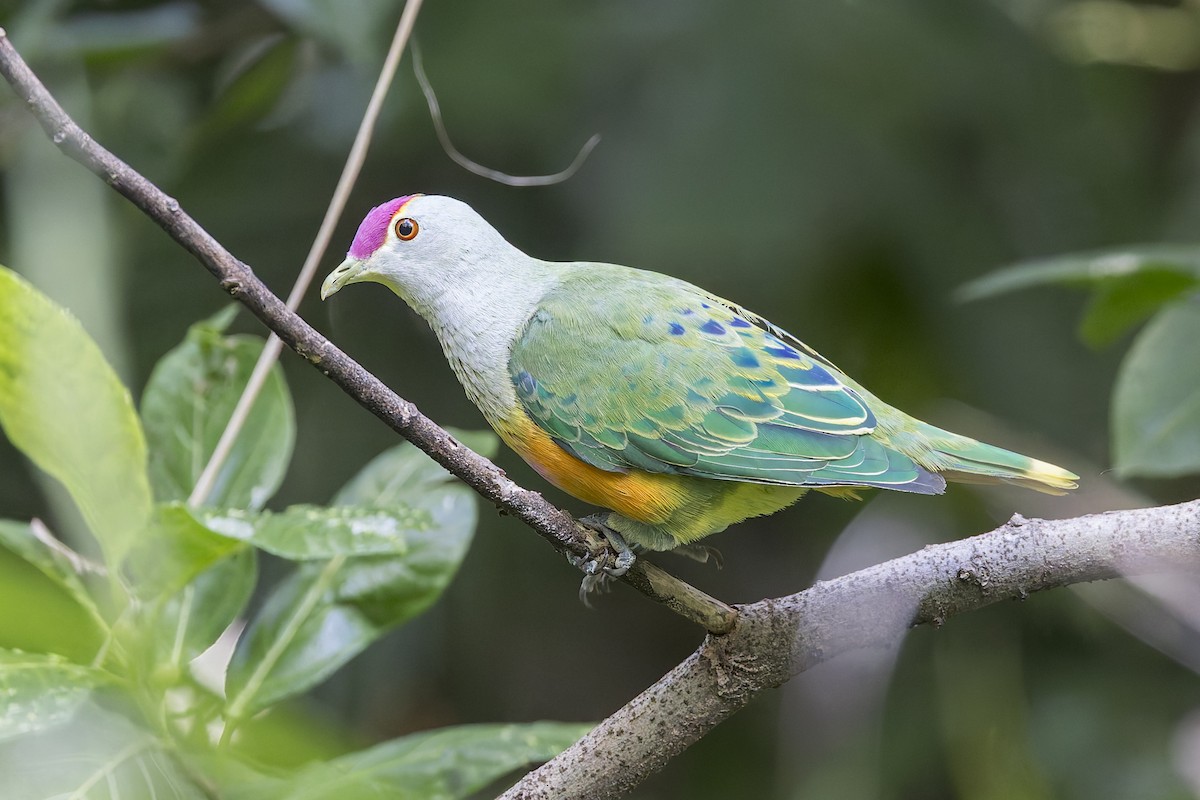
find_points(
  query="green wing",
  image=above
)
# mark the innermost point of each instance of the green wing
(633, 370)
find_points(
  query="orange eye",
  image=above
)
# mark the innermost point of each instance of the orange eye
(406, 228)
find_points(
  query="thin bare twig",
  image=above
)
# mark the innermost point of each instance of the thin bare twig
(79, 564)
(456, 155)
(554, 525)
(337, 204)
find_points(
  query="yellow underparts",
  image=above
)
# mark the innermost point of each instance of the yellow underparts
(657, 510)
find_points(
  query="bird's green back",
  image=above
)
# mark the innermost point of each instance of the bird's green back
(635, 370)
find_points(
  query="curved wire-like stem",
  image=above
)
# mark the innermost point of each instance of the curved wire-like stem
(456, 155)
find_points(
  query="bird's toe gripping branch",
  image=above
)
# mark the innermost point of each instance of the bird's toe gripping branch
(609, 557)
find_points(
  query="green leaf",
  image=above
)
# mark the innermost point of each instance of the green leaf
(188, 622)
(1086, 269)
(99, 756)
(305, 533)
(113, 33)
(36, 615)
(444, 764)
(18, 538)
(40, 691)
(404, 471)
(352, 34)
(401, 491)
(1156, 402)
(256, 78)
(1121, 303)
(326, 613)
(382, 571)
(63, 407)
(188, 401)
(178, 548)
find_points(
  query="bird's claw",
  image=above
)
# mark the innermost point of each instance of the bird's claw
(608, 560)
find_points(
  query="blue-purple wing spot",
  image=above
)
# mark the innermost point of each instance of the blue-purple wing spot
(744, 357)
(713, 327)
(780, 349)
(686, 312)
(676, 329)
(525, 383)
(782, 352)
(738, 322)
(814, 376)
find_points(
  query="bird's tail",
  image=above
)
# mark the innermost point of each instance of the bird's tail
(965, 460)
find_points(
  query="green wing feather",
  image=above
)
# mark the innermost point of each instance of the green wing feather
(633, 370)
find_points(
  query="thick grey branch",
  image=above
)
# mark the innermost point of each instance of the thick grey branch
(402, 416)
(776, 639)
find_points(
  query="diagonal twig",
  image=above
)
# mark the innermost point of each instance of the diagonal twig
(337, 204)
(239, 280)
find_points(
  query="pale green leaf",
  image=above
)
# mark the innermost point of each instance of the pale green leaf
(452, 763)
(305, 533)
(18, 538)
(353, 35)
(255, 81)
(188, 401)
(62, 405)
(404, 471)
(37, 615)
(1086, 269)
(445, 764)
(325, 613)
(1156, 402)
(98, 756)
(39, 691)
(185, 624)
(177, 548)
(1122, 303)
(118, 31)
(399, 492)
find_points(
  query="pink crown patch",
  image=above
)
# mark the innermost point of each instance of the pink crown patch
(372, 232)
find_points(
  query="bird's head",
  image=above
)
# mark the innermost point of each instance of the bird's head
(416, 244)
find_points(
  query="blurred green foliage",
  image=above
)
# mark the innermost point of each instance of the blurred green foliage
(1156, 402)
(173, 580)
(841, 168)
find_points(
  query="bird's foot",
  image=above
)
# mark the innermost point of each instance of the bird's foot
(610, 558)
(700, 552)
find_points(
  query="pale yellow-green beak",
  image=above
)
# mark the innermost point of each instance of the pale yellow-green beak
(349, 271)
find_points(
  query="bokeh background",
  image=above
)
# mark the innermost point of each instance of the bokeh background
(840, 167)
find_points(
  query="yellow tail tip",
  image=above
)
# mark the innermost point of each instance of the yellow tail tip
(1048, 478)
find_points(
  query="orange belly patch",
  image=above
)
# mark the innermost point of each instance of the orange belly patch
(646, 497)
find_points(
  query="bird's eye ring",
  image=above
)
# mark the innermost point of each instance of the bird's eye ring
(406, 229)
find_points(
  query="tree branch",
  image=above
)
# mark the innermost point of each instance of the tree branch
(554, 525)
(777, 639)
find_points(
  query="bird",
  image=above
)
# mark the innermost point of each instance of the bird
(675, 411)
